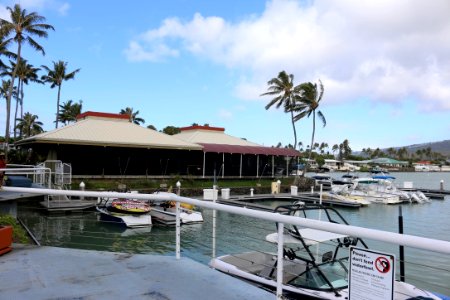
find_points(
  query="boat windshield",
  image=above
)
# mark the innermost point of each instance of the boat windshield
(334, 271)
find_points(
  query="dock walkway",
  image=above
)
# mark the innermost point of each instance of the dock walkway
(31, 272)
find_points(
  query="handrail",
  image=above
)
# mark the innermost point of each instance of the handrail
(30, 171)
(440, 246)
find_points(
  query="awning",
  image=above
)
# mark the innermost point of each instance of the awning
(237, 149)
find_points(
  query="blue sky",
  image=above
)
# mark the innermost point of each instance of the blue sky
(385, 65)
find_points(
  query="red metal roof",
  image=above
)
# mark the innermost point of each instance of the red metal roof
(196, 127)
(222, 148)
(103, 115)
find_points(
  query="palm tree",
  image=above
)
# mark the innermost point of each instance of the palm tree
(306, 103)
(5, 52)
(4, 90)
(132, 115)
(283, 88)
(25, 73)
(335, 148)
(21, 29)
(56, 77)
(29, 125)
(69, 111)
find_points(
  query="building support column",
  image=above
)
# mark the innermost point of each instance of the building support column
(240, 168)
(223, 165)
(287, 166)
(257, 165)
(204, 162)
(273, 165)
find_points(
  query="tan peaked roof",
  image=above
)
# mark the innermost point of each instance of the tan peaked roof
(211, 135)
(100, 129)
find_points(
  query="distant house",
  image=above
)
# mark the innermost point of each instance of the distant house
(388, 162)
(104, 144)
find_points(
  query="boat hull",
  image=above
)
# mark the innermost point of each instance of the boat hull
(252, 267)
(128, 220)
(167, 216)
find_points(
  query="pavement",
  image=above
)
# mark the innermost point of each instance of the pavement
(33, 272)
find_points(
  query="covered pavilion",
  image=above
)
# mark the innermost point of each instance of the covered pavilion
(233, 155)
(104, 144)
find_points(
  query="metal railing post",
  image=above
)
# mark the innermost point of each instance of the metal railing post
(280, 261)
(178, 234)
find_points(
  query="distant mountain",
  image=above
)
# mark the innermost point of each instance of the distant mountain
(442, 147)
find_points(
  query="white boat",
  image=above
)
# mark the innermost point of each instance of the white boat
(369, 189)
(110, 213)
(343, 198)
(315, 262)
(166, 214)
(384, 184)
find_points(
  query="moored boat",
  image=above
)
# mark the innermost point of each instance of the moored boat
(128, 212)
(307, 271)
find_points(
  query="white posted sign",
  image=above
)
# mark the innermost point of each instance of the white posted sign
(371, 275)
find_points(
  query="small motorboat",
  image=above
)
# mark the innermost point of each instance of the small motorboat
(165, 213)
(128, 212)
(315, 262)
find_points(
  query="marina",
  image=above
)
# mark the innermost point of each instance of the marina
(236, 233)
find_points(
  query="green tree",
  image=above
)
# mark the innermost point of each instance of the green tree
(347, 151)
(171, 130)
(21, 29)
(29, 125)
(307, 102)
(132, 115)
(151, 127)
(282, 87)
(69, 111)
(56, 77)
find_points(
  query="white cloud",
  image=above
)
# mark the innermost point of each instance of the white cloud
(383, 50)
(135, 52)
(63, 8)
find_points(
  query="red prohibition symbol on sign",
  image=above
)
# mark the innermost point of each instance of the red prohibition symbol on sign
(382, 264)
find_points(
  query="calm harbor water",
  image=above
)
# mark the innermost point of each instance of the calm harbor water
(235, 233)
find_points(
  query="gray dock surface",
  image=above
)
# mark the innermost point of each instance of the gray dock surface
(31, 272)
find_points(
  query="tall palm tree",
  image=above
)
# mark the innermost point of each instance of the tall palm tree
(56, 77)
(25, 73)
(21, 29)
(29, 125)
(306, 104)
(4, 90)
(69, 111)
(282, 87)
(132, 115)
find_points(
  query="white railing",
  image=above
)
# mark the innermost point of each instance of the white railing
(39, 175)
(439, 246)
(62, 172)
